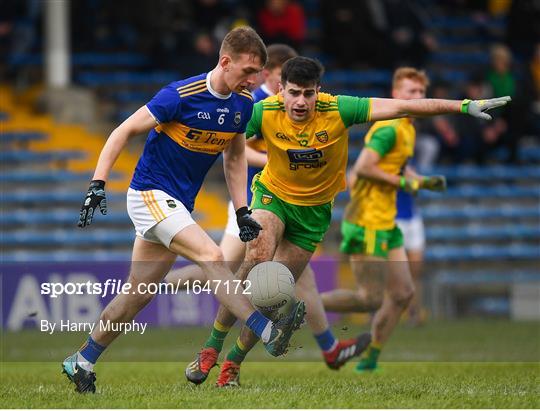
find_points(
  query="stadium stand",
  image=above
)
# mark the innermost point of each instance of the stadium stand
(489, 213)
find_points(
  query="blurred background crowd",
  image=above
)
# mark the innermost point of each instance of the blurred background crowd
(472, 49)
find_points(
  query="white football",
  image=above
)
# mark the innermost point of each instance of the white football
(271, 289)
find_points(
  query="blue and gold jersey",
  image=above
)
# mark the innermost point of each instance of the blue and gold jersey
(194, 125)
(257, 142)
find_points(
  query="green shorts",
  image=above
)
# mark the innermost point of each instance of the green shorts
(305, 226)
(361, 240)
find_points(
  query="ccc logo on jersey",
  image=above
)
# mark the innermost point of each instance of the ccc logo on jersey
(308, 158)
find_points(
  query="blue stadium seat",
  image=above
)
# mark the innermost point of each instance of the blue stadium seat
(132, 96)
(461, 277)
(529, 153)
(53, 197)
(71, 237)
(22, 136)
(378, 77)
(40, 218)
(23, 156)
(450, 76)
(448, 22)
(488, 173)
(483, 252)
(96, 79)
(460, 58)
(476, 233)
(45, 176)
(84, 59)
(65, 256)
(479, 192)
(441, 212)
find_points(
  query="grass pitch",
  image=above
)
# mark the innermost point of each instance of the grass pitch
(472, 364)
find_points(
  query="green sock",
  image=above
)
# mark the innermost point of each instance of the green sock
(238, 352)
(217, 336)
(373, 352)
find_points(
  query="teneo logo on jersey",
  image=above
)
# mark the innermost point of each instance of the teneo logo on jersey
(322, 136)
(308, 158)
(237, 118)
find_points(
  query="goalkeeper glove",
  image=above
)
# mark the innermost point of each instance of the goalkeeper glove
(434, 183)
(95, 197)
(478, 108)
(410, 185)
(249, 228)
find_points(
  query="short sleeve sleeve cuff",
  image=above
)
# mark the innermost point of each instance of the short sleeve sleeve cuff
(165, 105)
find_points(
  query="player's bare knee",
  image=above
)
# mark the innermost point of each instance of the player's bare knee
(373, 301)
(403, 297)
(212, 255)
(257, 255)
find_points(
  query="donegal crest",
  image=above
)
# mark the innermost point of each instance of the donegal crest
(266, 199)
(322, 136)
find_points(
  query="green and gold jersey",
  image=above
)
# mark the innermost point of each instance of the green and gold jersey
(307, 161)
(373, 204)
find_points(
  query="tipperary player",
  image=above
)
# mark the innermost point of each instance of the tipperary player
(335, 353)
(190, 122)
(306, 137)
(370, 234)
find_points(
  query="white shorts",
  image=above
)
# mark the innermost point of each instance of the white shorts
(232, 226)
(156, 215)
(413, 233)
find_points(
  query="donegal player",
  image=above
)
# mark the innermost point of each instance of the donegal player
(306, 136)
(370, 234)
(190, 122)
(335, 353)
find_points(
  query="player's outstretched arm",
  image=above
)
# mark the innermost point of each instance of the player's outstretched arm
(235, 168)
(139, 122)
(384, 109)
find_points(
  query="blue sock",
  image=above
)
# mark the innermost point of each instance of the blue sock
(257, 323)
(326, 340)
(91, 350)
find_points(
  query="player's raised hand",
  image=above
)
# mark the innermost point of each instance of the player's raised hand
(249, 228)
(478, 108)
(95, 197)
(434, 183)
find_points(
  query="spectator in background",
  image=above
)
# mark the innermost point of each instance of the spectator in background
(412, 42)
(203, 52)
(476, 139)
(523, 27)
(282, 21)
(534, 76)
(349, 30)
(508, 124)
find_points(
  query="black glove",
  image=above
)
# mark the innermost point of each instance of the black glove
(249, 228)
(95, 197)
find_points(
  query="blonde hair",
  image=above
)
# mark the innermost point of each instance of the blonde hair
(410, 73)
(243, 40)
